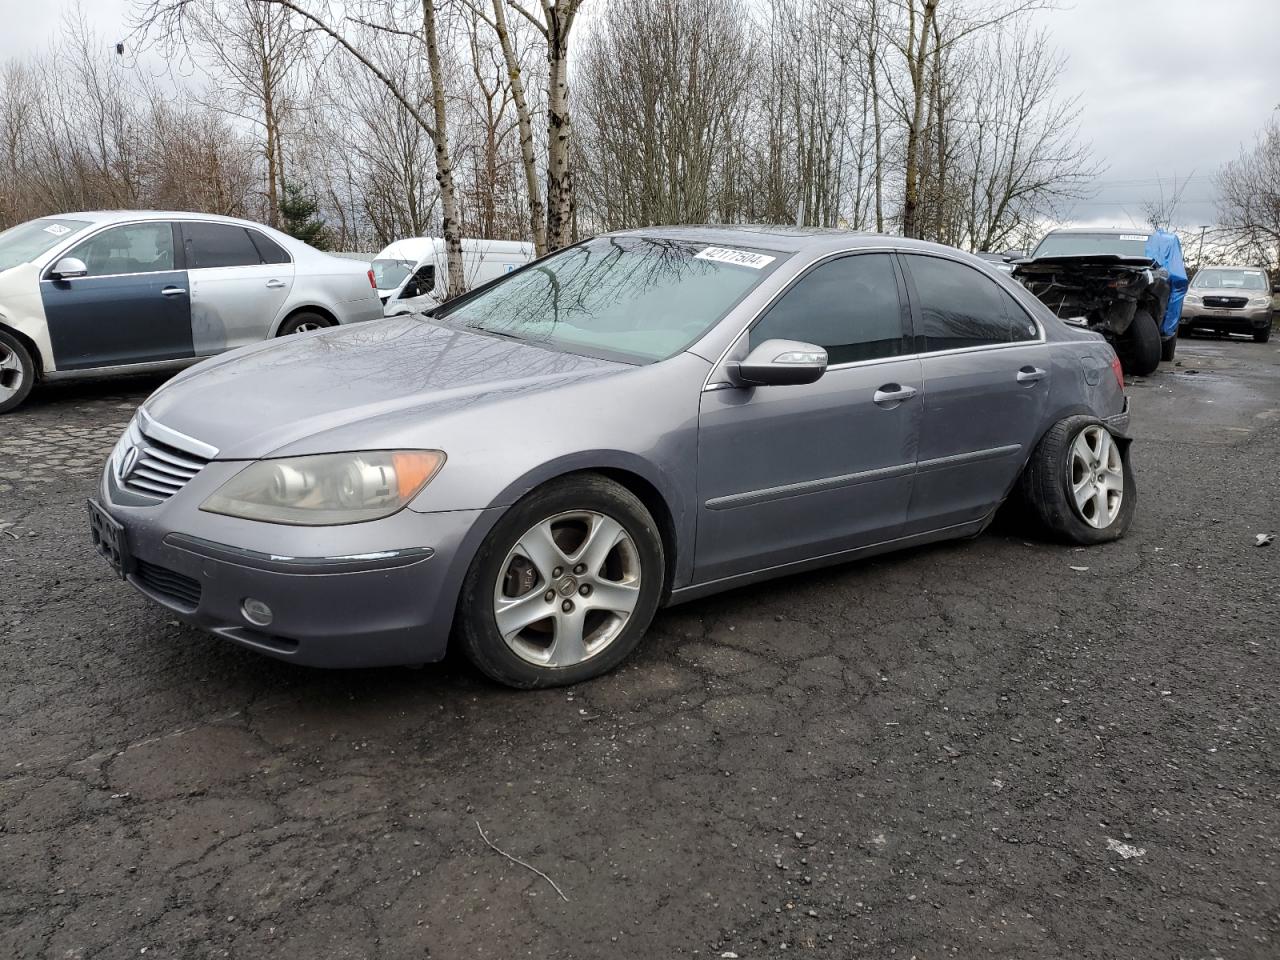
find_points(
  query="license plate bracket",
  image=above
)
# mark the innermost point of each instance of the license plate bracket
(109, 539)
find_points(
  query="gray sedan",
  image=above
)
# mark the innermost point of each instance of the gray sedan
(648, 417)
(132, 291)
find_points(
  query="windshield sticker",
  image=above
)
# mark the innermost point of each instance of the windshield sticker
(57, 229)
(741, 258)
(1133, 236)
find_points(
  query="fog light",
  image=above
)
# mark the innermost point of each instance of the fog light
(256, 612)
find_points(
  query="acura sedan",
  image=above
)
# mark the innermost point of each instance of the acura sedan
(531, 470)
(128, 291)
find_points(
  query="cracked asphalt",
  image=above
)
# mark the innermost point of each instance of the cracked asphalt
(970, 750)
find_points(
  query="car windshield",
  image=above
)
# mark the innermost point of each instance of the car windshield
(391, 273)
(1219, 279)
(637, 299)
(26, 241)
(1092, 244)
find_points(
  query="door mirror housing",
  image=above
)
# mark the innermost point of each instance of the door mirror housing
(69, 268)
(778, 363)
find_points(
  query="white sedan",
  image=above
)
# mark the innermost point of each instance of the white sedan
(131, 291)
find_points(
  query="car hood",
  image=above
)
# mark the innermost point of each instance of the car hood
(258, 401)
(1084, 259)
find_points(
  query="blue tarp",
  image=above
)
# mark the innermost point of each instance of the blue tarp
(1166, 249)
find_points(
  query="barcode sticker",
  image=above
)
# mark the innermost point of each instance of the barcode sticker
(741, 258)
(57, 229)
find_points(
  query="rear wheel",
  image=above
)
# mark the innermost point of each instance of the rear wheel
(303, 322)
(1079, 483)
(564, 586)
(1139, 346)
(17, 371)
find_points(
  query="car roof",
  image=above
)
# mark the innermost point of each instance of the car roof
(1233, 266)
(783, 239)
(1103, 231)
(111, 216)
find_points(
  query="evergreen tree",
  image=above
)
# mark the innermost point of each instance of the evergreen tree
(298, 217)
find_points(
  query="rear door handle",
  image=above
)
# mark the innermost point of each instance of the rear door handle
(892, 394)
(173, 291)
(274, 284)
(1030, 375)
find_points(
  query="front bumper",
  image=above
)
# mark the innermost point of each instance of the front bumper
(364, 595)
(1237, 320)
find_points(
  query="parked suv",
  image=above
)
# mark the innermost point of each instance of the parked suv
(133, 291)
(1229, 300)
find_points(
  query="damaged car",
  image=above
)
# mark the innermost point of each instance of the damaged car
(1126, 285)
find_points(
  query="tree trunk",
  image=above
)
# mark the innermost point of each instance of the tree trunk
(560, 189)
(537, 210)
(456, 282)
(916, 68)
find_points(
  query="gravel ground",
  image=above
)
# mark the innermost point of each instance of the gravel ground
(994, 748)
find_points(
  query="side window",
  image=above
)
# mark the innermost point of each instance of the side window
(268, 250)
(129, 248)
(421, 283)
(849, 306)
(959, 307)
(1022, 327)
(218, 245)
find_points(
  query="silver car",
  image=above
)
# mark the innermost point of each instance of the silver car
(642, 419)
(131, 291)
(1230, 300)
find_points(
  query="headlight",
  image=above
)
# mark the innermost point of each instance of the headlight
(1260, 302)
(1193, 298)
(328, 489)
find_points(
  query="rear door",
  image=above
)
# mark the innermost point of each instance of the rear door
(789, 473)
(986, 388)
(132, 307)
(240, 280)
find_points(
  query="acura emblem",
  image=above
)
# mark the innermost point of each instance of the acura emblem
(128, 462)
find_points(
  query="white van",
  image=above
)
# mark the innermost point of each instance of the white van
(393, 265)
(482, 261)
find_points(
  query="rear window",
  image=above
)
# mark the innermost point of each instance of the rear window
(1092, 244)
(219, 245)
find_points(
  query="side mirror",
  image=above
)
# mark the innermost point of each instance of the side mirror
(778, 363)
(68, 268)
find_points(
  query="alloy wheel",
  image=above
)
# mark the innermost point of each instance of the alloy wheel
(10, 373)
(307, 326)
(1097, 476)
(567, 589)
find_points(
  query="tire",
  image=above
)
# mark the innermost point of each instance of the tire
(1168, 347)
(303, 322)
(1048, 482)
(17, 371)
(1139, 347)
(1263, 335)
(529, 556)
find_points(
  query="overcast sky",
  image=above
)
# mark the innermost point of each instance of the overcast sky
(1167, 87)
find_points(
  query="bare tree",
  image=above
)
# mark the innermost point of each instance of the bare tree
(1249, 198)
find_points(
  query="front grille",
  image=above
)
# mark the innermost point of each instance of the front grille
(147, 465)
(170, 584)
(1232, 302)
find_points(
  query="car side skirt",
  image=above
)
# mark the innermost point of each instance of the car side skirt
(158, 366)
(956, 532)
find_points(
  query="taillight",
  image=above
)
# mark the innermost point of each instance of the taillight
(1117, 369)
(373, 283)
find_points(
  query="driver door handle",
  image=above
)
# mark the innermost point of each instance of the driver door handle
(892, 394)
(1030, 375)
(274, 284)
(173, 291)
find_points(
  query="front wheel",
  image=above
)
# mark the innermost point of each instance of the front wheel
(1139, 346)
(564, 586)
(1079, 483)
(1263, 335)
(17, 371)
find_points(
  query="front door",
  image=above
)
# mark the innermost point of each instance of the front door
(132, 307)
(789, 473)
(986, 391)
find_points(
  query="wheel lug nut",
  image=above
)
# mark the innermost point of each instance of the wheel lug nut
(580, 568)
(558, 571)
(567, 606)
(585, 590)
(551, 595)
